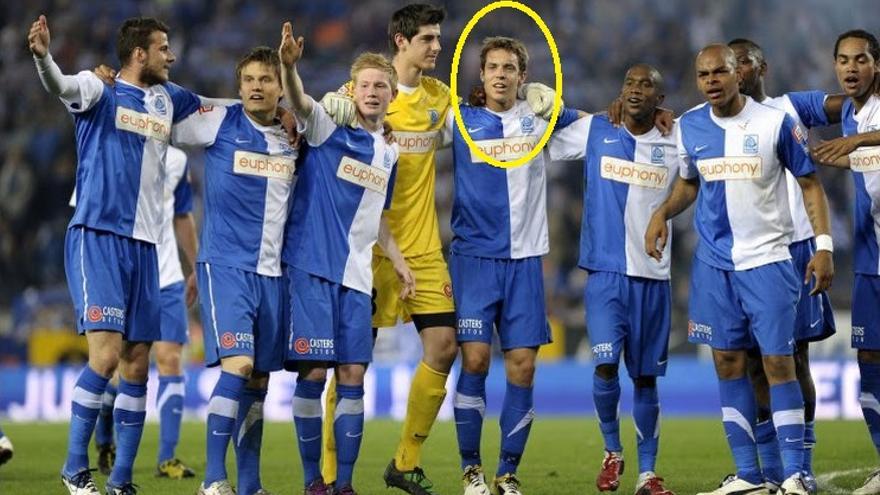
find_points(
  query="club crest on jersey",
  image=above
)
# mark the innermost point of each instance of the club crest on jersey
(159, 105)
(527, 124)
(658, 155)
(798, 135)
(750, 144)
(433, 116)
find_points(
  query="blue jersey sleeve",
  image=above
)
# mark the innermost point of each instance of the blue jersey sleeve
(185, 101)
(183, 195)
(566, 117)
(810, 106)
(390, 193)
(791, 148)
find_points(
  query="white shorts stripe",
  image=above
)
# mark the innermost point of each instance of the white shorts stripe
(213, 306)
(82, 269)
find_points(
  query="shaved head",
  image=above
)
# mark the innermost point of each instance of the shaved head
(718, 51)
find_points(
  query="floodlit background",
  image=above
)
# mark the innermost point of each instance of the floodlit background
(597, 40)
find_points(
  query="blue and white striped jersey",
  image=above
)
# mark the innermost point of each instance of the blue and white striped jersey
(249, 169)
(626, 178)
(345, 180)
(122, 134)
(742, 216)
(500, 212)
(865, 164)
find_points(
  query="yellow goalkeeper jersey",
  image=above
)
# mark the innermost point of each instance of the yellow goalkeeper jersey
(417, 119)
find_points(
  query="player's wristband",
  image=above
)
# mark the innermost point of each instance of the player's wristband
(824, 243)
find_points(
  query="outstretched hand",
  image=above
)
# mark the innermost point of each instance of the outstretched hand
(38, 37)
(291, 49)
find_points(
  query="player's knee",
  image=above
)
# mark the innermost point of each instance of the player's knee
(868, 357)
(606, 371)
(259, 380)
(442, 354)
(521, 371)
(351, 374)
(168, 363)
(645, 382)
(312, 373)
(475, 362)
(238, 365)
(104, 361)
(729, 365)
(779, 369)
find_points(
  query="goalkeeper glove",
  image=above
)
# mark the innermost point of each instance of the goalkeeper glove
(539, 98)
(340, 108)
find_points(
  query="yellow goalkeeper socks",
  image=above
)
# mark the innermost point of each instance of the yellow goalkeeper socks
(426, 394)
(328, 441)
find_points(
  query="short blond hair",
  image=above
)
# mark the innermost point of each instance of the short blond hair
(371, 60)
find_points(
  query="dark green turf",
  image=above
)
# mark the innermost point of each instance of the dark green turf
(563, 457)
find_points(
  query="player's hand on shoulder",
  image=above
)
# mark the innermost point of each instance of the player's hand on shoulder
(106, 74)
(38, 37)
(829, 152)
(539, 97)
(664, 119)
(822, 268)
(388, 133)
(288, 122)
(291, 48)
(340, 108)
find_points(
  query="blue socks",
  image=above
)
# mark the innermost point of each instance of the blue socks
(869, 398)
(85, 407)
(738, 412)
(606, 397)
(348, 428)
(469, 407)
(129, 412)
(768, 449)
(248, 440)
(170, 406)
(307, 417)
(787, 404)
(104, 427)
(517, 415)
(646, 414)
(222, 413)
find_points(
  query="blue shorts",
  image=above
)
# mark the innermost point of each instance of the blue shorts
(815, 317)
(505, 294)
(114, 283)
(175, 324)
(866, 312)
(241, 311)
(728, 308)
(328, 321)
(629, 315)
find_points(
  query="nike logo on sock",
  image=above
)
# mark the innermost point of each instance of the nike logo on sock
(420, 436)
(310, 439)
(221, 433)
(353, 435)
(793, 440)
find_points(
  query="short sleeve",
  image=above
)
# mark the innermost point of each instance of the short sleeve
(810, 107)
(317, 127)
(570, 143)
(200, 128)
(90, 89)
(185, 102)
(687, 169)
(791, 148)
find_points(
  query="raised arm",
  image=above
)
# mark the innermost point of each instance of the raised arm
(290, 52)
(53, 80)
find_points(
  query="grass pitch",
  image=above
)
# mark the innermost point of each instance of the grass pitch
(562, 457)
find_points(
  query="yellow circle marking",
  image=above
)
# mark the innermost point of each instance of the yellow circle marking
(453, 80)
